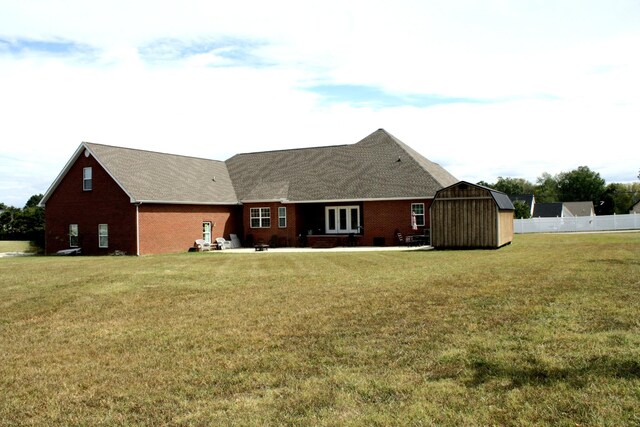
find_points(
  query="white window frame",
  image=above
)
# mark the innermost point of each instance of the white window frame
(420, 219)
(87, 179)
(340, 228)
(282, 217)
(207, 229)
(73, 235)
(103, 233)
(262, 217)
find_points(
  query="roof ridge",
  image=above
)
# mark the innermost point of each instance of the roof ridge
(415, 155)
(292, 149)
(151, 151)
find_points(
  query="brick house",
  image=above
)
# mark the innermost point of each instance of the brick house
(141, 202)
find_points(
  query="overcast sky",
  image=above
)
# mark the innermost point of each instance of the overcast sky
(485, 88)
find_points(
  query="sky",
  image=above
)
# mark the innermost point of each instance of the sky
(485, 88)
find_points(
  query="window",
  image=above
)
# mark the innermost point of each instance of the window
(87, 180)
(418, 210)
(103, 236)
(282, 217)
(342, 219)
(206, 231)
(73, 235)
(260, 217)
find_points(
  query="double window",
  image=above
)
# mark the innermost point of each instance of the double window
(103, 235)
(73, 235)
(342, 219)
(417, 211)
(87, 179)
(260, 217)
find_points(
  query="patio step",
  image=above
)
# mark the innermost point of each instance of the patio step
(325, 242)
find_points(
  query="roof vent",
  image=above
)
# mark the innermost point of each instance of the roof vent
(399, 160)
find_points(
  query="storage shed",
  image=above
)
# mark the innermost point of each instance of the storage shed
(466, 215)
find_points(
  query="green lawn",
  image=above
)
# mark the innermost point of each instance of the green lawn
(543, 332)
(16, 246)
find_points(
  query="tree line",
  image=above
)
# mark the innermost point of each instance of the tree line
(579, 185)
(25, 223)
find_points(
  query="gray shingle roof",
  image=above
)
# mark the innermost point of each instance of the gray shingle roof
(548, 210)
(378, 167)
(579, 208)
(525, 198)
(158, 177)
(502, 200)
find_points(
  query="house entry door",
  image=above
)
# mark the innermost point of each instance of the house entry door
(342, 219)
(206, 231)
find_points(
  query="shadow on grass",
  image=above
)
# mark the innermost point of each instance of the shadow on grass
(616, 261)
(538, 374)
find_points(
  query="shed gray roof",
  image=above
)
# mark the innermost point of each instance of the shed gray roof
(378, 167)
(502, 199)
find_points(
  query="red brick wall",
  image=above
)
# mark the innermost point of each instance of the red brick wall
(106, 203)
(285, 236)
(382, 218)
(174, 228)
(379, 218)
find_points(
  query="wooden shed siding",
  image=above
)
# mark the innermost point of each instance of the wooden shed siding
(505, 227)
(467, 216)
(470, 222)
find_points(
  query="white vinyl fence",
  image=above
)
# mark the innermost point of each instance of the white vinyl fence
(577, 223)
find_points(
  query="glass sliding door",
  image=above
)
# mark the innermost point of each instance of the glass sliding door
(342, 219)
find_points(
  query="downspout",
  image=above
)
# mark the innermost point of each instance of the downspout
(138, 229)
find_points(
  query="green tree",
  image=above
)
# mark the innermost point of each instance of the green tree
(513, 186)
(619, 198)
(485, 184)
(8, 219)
(23, 224)
(581, 184)
(33, 201)
(546, 189)
(522, 210)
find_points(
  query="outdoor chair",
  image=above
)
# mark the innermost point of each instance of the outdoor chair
(222, 243)
(202, 245)
(235, 242)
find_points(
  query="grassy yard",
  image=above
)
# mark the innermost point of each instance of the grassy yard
(16, 246)
(543, 332)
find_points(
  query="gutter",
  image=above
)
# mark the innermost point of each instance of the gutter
(182, 202)
(286, 201)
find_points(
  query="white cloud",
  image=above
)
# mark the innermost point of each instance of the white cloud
(555, 84)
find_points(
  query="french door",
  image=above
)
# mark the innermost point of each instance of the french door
(342, 219)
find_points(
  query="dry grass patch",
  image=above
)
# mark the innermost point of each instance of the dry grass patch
(545, 331)
(17, 246)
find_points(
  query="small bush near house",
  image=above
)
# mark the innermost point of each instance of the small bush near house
(543, 332)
